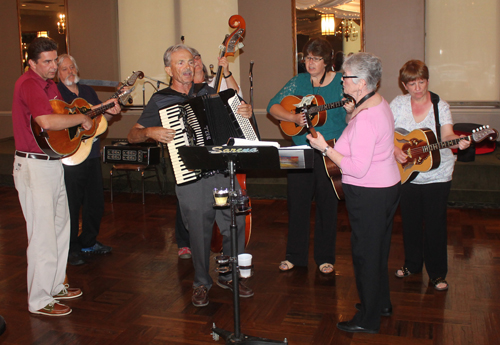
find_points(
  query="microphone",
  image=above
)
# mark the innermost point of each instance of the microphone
(251, 66)
(156, 80)
(212, 69)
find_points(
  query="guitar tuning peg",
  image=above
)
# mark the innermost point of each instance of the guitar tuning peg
(240, 45)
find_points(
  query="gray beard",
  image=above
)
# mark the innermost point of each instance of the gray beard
(69, 83)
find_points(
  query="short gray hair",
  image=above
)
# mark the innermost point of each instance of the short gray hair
(172, 49)
(365, 66)
(63, 57)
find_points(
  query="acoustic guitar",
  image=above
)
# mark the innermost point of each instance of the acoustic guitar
(332, 170)
(422, 148)
(85, 147)
(313, 106)
(66, 142)
(334, 173)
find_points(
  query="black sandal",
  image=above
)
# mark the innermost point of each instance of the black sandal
(437, 281)
(405, 271)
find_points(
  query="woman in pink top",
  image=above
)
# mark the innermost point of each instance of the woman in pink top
(371, 183)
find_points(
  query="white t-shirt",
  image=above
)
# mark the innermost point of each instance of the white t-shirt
(403, 118)
(223, 85)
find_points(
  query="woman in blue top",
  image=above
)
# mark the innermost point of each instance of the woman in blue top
(306, 184)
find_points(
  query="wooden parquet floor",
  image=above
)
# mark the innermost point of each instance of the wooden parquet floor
(141, 293)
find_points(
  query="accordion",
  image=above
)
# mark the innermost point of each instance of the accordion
(204, 121)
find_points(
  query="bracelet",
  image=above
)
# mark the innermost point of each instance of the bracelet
(230, 74)
(324, 153)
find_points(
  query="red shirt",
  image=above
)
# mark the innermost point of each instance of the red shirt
(32, 95)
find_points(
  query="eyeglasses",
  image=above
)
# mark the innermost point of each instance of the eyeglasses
(348, 76)
(313, 58)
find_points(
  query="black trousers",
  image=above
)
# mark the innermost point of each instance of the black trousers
(303, 187)
(423, 213)
(85, 192)
(371, 213)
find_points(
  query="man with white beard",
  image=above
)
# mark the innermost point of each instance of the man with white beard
(84, 184)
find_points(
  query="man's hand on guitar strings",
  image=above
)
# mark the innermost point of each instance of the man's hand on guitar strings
(116, 109)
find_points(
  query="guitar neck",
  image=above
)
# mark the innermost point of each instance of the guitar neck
(443, 144)
(101, 110)
(324, 107)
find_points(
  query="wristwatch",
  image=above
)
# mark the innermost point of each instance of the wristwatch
(325, 150)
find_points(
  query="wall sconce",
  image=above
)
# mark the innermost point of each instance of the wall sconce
(42, 34)
(61, 24)
(327, 24)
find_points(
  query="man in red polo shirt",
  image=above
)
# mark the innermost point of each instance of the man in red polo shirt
(39, 180)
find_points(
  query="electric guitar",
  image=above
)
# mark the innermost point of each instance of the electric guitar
(422, 148)
(313, 106)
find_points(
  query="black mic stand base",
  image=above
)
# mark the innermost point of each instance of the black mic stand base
(244, 339)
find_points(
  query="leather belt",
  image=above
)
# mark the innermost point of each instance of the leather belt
(36, 156)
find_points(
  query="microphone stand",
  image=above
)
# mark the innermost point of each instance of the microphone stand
(236, 337)
(144, 91)
(254, 119)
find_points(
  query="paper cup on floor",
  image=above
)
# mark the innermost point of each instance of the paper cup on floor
(245, 260)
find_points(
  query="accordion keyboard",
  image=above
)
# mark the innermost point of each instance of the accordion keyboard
(171, 118)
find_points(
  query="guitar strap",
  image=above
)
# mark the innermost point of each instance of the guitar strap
(435, 101)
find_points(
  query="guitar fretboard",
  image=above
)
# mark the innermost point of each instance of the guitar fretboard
(328, 106)
(443, 145)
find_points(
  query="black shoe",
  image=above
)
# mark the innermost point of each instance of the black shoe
(348, 326)
(2, 325)
(97, 248)
(75, 259)
(383, 312)
(200, 296)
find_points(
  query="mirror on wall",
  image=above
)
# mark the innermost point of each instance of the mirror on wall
(338, 21)
(42, 18)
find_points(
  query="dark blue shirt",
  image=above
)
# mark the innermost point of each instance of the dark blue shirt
(88, 94)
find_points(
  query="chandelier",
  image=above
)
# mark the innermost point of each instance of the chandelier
(61, 24)
(347, 29)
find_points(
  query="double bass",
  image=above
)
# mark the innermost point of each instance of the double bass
(230, 45)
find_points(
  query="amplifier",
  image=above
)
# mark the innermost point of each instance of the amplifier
(130, 154)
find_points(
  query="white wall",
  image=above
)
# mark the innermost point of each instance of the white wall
(148, 27)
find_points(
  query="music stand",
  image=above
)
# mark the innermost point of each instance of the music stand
(232, 157)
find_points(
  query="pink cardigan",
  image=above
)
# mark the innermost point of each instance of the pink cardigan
(367, 145)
